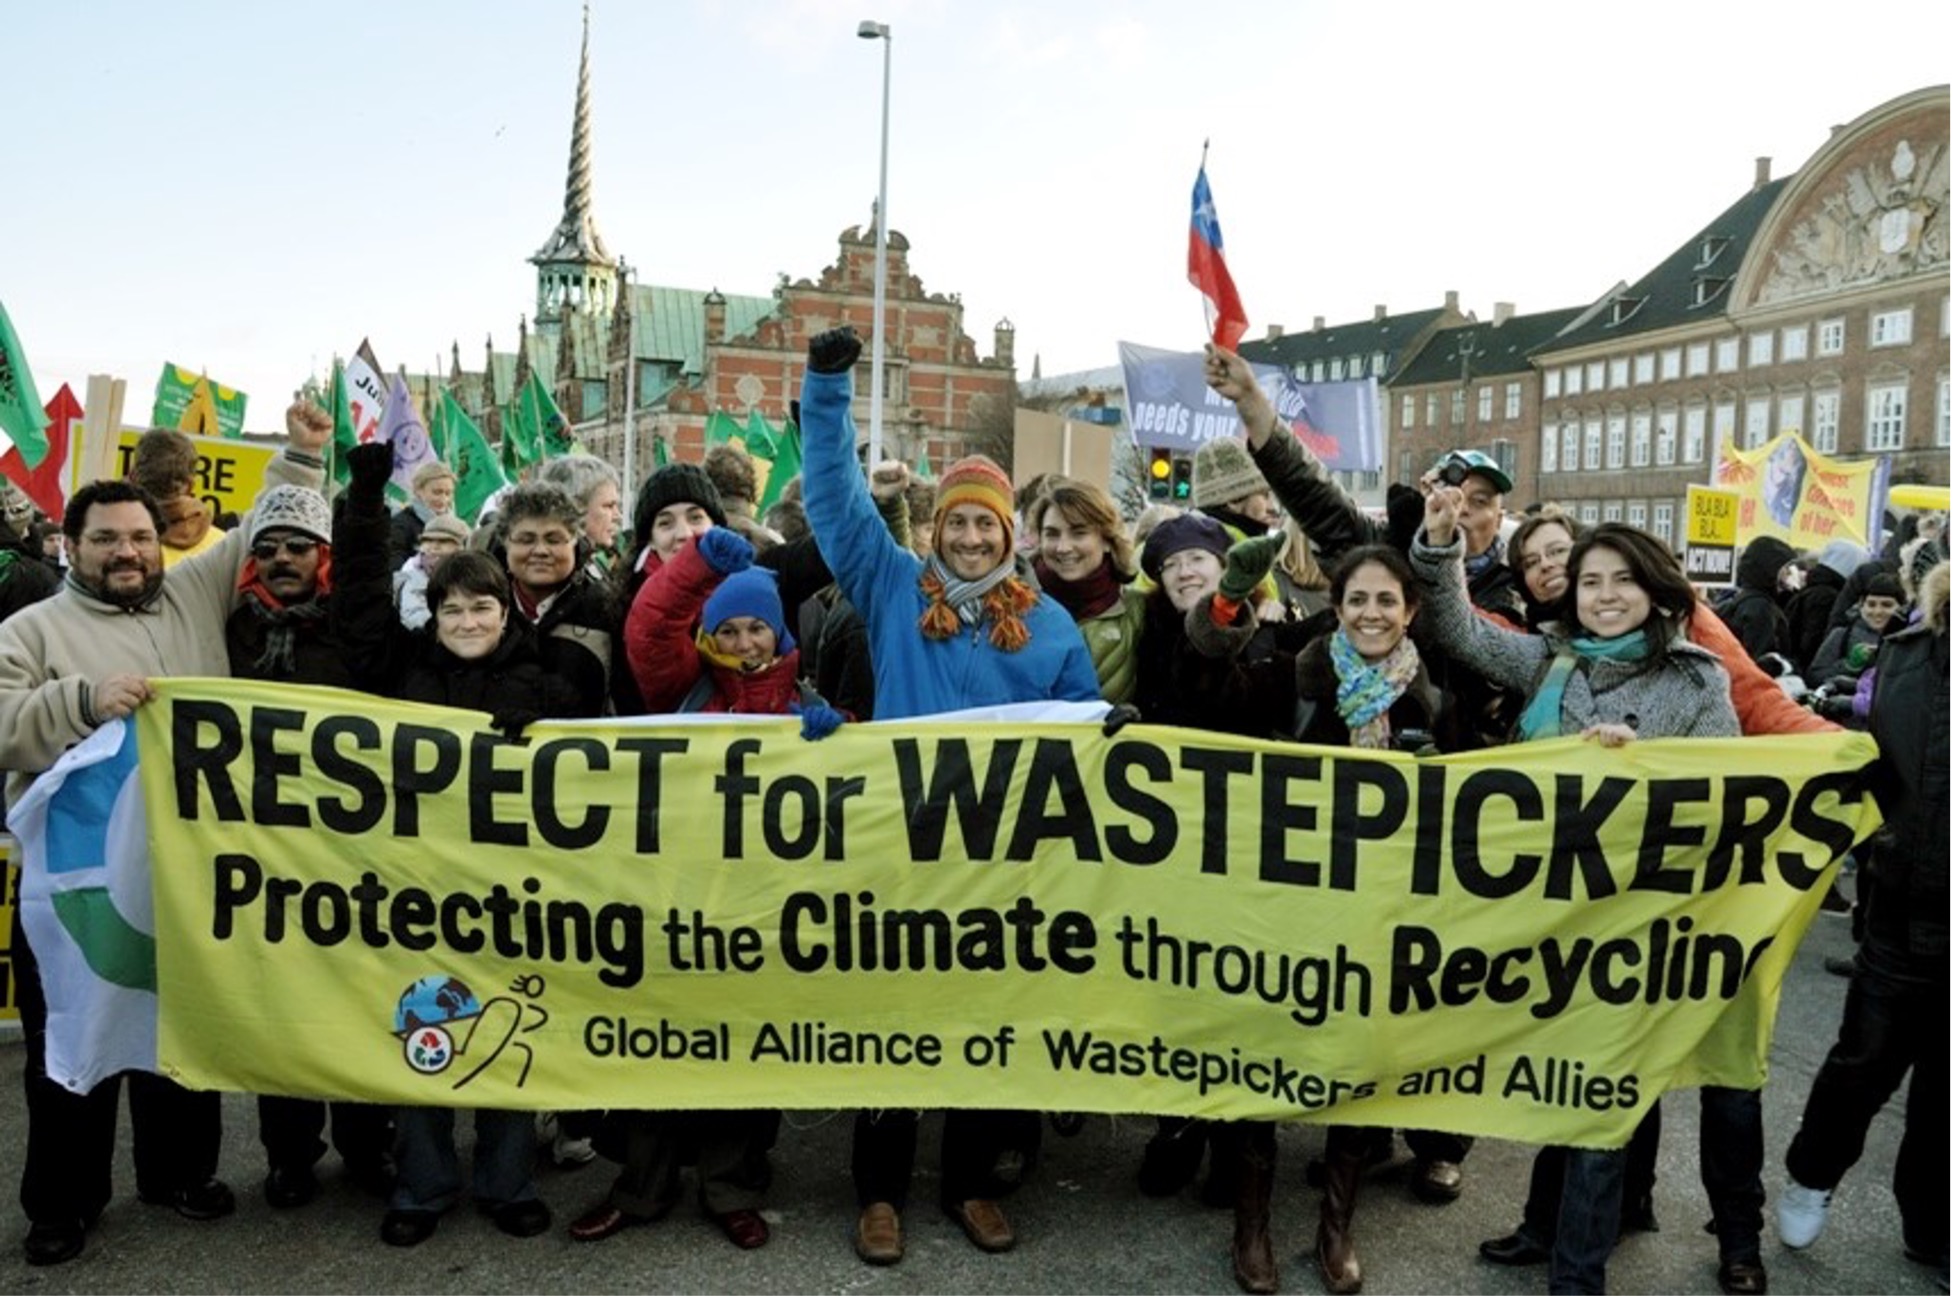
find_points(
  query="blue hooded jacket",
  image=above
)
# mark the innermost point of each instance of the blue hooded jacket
(915, 674)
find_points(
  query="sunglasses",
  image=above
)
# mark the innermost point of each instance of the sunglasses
(269, 548)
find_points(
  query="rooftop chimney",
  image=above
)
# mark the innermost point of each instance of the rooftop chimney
(1380, 311)
(1318, 323)
(1504, 310)
(1763, 166)
(1273, 333)
(1451, 301)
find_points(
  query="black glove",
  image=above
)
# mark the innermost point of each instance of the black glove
(1406, 514)
(510, 723)
(1836, 708)
(1119, 716)
(369, 467)
(1843, 686)
(834, 352)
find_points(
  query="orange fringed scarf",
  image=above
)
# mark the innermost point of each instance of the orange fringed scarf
(1006, 608)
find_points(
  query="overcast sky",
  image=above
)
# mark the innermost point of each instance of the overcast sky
(250, 188)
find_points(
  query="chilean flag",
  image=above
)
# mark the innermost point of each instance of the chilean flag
(1208, 273)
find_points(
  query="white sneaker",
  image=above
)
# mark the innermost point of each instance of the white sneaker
(1801, 1213)
(570, 1152)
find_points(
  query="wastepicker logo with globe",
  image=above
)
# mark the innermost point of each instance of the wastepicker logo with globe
(438, 1019)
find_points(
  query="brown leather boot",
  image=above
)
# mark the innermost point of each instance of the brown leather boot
(1251, 1257)
(1339, 1257)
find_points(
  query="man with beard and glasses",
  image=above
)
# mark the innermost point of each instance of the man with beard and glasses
(68, 665)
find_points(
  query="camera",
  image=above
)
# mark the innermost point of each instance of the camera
(1414, 740)
(1453, 471)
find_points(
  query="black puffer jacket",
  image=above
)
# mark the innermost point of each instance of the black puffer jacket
(1910, 717)
(1808, 613)
(1753, 612)
(1191, 673)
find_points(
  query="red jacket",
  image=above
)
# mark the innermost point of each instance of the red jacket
(1764, 708)
(666, 661)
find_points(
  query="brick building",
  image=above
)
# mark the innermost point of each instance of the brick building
(1819, 302)
(595, 335)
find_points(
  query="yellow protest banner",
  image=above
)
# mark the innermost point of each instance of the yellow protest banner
(9, 900)
(1792, 491)
(1712, 531)
(230, 471)
(364, 899)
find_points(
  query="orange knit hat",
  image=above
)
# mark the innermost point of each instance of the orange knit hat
(979, 481)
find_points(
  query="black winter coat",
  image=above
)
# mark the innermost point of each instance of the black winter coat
(1752, 613)
(1910, 717)
(1808, 613)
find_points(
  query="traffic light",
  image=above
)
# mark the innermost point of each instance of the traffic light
(1181, 479)
(1159, 470)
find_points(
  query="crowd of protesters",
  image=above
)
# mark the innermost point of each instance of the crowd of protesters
(1274, 609)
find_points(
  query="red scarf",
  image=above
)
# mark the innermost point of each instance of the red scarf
(1084, 597)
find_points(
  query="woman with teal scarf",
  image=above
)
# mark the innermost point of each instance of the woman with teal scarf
(1613, 665)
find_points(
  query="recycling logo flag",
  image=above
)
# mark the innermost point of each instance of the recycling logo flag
(85, 902)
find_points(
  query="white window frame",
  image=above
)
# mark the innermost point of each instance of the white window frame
(1433, 410)
(1699, 359)
(1641, 439)
(1614, 442)
(1886, 418)
(1407, 410)
(1665, 449)
(1512, 400)
(1635, 513)
(1336, 369)
(1613, 512)
(1547, 457)
(1890, 329)
(1692, 444)
(1587, 512)
(1593, 444)
(1726, 355)
(1829, 336)
(1941, 429)
(1458, 408)
(1568, 461)
(1485, 403)
(1553, 382)
(1794, 343)
(1669, 364)
(1662, 521)
(1644, 367)
(1621, 372)
(1827, 428)
(1594, 376)
(1789, 410)
(1760, 348)
(1760, 410)
(1573, 380)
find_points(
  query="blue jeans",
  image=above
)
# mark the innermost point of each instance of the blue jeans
(1731, 1153)
(428, 1176)
(1587, 1220)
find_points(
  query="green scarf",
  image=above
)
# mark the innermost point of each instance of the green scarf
(1543, 716)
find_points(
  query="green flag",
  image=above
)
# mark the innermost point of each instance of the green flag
(721, 427)
(21, 418)
(787, 464)
(477, 473)
(760, 435)
(191, 403)
(533, 427)
(345, 438)
(660, 456)
(924, 463)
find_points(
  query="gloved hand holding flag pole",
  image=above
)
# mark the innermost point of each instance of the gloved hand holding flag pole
(1223, 313)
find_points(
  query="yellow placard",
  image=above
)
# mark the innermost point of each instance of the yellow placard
(230, 472)
(1712, 516)
(9, 899)
(356, 898)
(1791, 491)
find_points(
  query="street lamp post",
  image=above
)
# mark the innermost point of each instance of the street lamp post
(876, 31)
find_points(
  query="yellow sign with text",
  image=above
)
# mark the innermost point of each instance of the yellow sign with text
(1712, 516)
(364, 899)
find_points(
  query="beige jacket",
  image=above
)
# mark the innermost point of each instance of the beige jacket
(52, 652)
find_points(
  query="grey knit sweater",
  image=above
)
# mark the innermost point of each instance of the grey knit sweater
(1683, 694)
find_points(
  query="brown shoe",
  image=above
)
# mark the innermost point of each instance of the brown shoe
(602, 1221)
(1339, 1256)
(744, 1228)
(985, 1225)
(880, 1236)
(1251, 1261)
(1436, 1181)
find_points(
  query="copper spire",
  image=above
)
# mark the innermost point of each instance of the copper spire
(576, 238)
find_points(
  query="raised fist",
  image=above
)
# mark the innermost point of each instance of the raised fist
(834, 352)
(369, 467)
(308, 427)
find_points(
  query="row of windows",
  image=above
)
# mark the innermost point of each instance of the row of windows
(1485, 406)
(1887, 329)
(1655, 517)
(1333, 370)
(1670, 437)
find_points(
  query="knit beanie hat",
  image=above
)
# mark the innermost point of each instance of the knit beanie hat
(1919, 558)
(751, 593)
(1222, 472)
(671, 485)
(449, 526)
(1884, 584)
(1183, 533)
(298, 508)
(1841, 556)
(979, 481)
(428, 472)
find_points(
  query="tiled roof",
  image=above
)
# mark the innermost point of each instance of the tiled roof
(1390, 334)
(670, 324)
(1493, 349)
(1690, 286)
